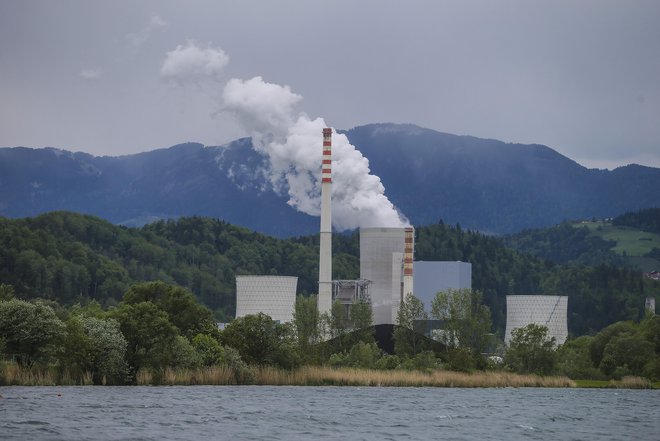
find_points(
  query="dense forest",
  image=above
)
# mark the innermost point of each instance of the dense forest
(645, 220)
(566, 244)
(630, 240)
(598, 296)
(73, 258)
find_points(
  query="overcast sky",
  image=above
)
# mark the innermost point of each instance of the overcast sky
(582, 77)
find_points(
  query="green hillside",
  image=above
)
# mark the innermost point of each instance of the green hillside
(637, 247)
(73, 258)
(630, 240)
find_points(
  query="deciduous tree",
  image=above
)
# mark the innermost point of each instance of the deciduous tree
(407, 339)
(531, 350)
(32, 332)
(261, 341)
(466, 320)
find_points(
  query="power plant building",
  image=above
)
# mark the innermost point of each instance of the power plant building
(433, 277)
(272, 295)
(549, 311)
(649, 305)
(386, 261)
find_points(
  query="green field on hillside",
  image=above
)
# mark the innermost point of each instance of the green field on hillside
(630, 242)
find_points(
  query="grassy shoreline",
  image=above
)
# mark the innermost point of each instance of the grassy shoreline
(13, 375)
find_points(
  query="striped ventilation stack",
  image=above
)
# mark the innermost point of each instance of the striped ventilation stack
(408, 252)
(325, 255)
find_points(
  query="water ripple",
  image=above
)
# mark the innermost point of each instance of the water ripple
(324, 413)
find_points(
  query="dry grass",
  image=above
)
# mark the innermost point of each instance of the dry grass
(631, 383)
(213, 375)
(12, 374)
(322, 376)
(144, 377)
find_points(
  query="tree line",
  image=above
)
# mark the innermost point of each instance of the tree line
(645, 220)
(157, 326)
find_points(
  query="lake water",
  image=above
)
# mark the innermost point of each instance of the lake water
(347, 413)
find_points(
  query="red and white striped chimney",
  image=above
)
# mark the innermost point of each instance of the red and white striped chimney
(325, 248)
(408, 252)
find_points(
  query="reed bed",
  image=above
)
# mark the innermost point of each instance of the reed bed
(326, 376)
(213, 375)
(631, 383)
(12, 374)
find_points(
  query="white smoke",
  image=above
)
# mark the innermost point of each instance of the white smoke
(191, 63)
(293, 144)
(262, 108)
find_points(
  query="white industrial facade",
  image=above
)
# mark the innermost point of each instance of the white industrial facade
(381, 262)
(272, 295)
(433, 277)
(549, 311)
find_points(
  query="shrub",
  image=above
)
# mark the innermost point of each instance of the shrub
(388, 362)
(531, 351)
(461, 360)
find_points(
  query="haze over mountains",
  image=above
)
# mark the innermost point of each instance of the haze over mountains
(482, 184)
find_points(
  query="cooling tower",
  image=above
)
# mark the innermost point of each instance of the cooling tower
(325, 248)
(549, 311)
(382, 258)
(272, 295)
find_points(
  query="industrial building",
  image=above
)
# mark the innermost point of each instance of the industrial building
(649, 305)
(387, 270)
(272, 295)
(386, 260)
(433, 277)
(549, 311)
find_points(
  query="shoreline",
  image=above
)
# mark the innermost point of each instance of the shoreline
(13, 375)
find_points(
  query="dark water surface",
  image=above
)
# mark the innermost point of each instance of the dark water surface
(347, 413)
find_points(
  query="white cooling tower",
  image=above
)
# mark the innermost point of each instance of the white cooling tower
(272, 295)
(549, 311)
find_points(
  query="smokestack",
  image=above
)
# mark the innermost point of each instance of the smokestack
(325, 255)
(409, 249)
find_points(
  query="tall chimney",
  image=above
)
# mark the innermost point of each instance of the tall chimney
(325, 255)
(408, 251)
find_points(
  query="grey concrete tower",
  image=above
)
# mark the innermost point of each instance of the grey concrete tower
(325, 255)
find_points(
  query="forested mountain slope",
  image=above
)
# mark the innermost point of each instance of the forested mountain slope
(484, 185)
(645, 220)
(493, 186)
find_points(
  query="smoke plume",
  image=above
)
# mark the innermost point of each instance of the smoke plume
(191, 63)
(292, 143)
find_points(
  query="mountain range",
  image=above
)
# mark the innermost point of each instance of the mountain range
(486, 185)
